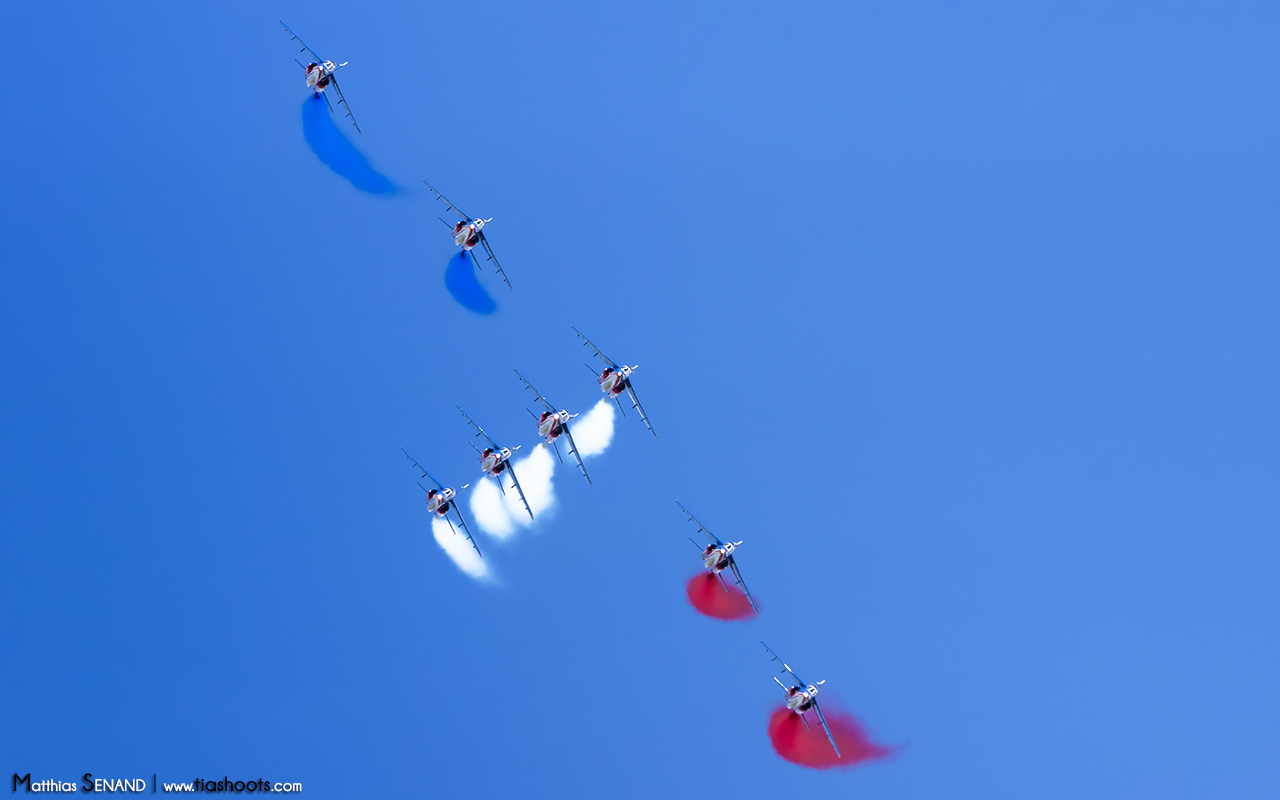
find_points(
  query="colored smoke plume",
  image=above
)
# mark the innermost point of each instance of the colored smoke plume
(809, 747)
(458, 548)
(461, 281)
(716, 599)
(337, 152)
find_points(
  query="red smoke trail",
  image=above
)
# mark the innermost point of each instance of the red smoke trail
(713, 598)
(809, 747)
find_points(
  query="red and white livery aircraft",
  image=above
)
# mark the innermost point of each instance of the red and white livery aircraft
(553, 424)
(718, 556)
(320, 74)
(469, 232)
(495, 460)
(616, 379)
(442, 499)
(802, 697)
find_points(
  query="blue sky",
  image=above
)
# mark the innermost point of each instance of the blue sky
(961, 317)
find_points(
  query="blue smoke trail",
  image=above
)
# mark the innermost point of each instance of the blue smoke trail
(334, 149)
(460, 279)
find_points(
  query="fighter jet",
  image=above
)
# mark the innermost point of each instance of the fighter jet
(615, 380)
(803, 696)
(495, 460)
(441, 499)
(718, 556)
(321, 73)
(470, 232)
(553, 424)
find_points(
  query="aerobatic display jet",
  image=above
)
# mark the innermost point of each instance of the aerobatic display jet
(442, 499)
(801, 697)
(321, 73)
(615, 380)
(495, 460)
(470, 232)
(718, 556)
(553, 424)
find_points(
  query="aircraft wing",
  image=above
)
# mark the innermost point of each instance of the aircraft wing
(425, 474)
(536, 394)
(494, 259)
(480, 431)
(465, 529)
(701, 527)
(636, 400)
(511, 468)
(599, 352)
(785, 668)
(455, 209)
(733, 565)
(826, 727)
(573, 448)
(342, 101)
(298, 39)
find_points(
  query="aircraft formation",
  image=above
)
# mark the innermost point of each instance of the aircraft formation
(554, 424)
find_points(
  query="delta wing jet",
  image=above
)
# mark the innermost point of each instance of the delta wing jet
(469, 232)
(553, 424)
(495, 460)
(718, 556)
(616, 379)
(441, 499)
(320, 73)
(803, 696)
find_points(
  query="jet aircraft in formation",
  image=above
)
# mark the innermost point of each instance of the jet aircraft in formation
(616, 379)
(320, 73)
(553, 424)
(802, 697)
(469, 232)
(442, 499)
(495, 460)
(718, 556)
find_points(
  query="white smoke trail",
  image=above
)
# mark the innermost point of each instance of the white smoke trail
(502, 515)
(593, 431)
(489, 511)
(499, 515)
(457, 547)
(535, 478)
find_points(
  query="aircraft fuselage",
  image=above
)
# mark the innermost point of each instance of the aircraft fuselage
(614, 382)
(493, 462)
(801, 700)
(438, 501)
(467, 234)
(319, 75)
(716, 559)
(552, 426)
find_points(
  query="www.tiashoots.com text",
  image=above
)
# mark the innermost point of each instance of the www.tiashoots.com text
(88, 783)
